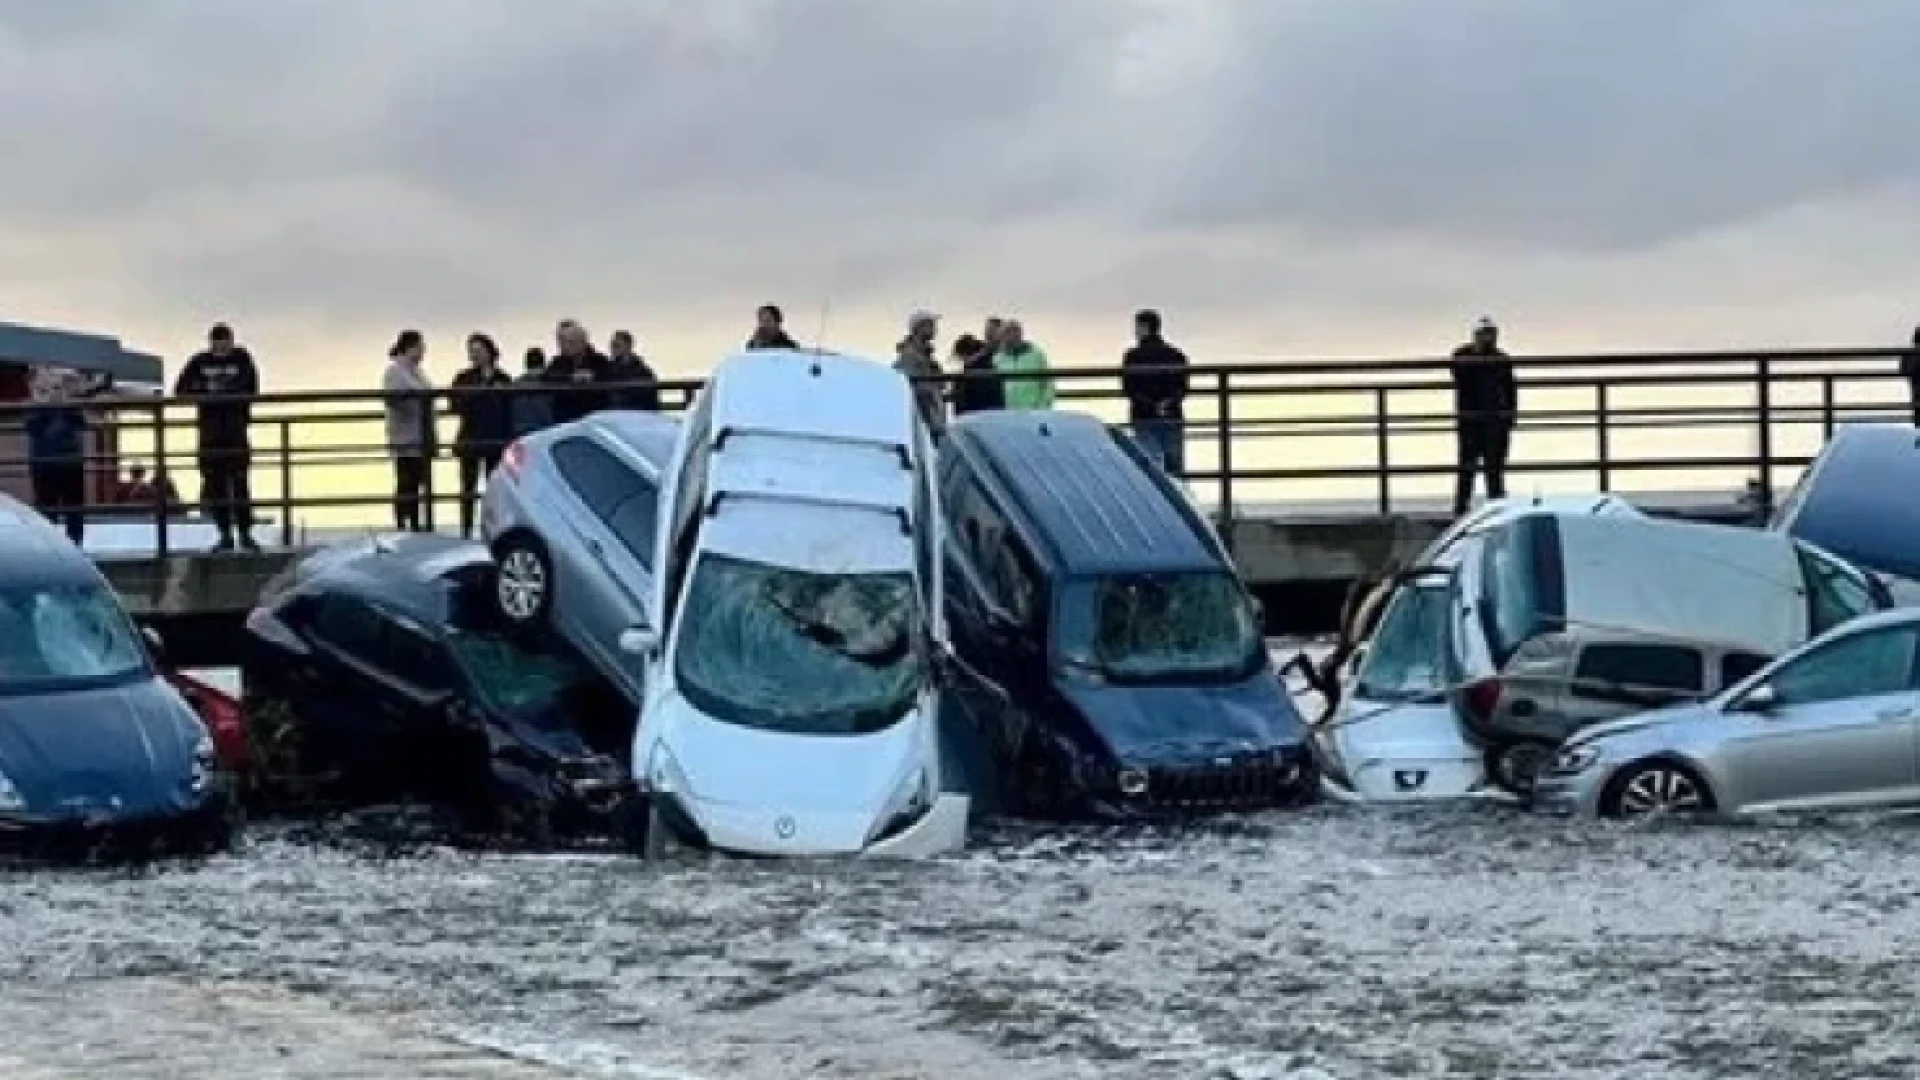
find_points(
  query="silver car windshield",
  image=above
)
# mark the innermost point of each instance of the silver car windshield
(62, 637)
(788, 650)
(1403, 659)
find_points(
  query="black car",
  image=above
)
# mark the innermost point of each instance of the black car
(98, 754)
(380, 670)
(1111, 661)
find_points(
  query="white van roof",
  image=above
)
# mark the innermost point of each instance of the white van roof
(813, 395)
(1713, 584)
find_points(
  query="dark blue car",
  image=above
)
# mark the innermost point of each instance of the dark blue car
(96, 748)
(1857, 501)
(1112, 662)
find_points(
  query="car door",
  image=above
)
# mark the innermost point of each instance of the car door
(603, 587)
(1844, 729)
(422, 679)
(354, 720)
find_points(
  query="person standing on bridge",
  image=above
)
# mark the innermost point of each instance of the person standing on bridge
(532, 401)
(635, 386)
(1024, 367)
(770, 330)
(410, 433)
(914, 358)
(574, 372)
(1486, 405)
(57, 457)
(1154, 376)
(225, 372)
(486, 421)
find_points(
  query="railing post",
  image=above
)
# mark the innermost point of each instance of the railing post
(1826, 407)
(286, 483)
(1603, 450)
(430, 405)
(1225, 437)
(1382, 449)
(1763, 396)
(160, 479)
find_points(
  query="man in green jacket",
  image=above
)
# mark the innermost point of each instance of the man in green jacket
(1018, 356)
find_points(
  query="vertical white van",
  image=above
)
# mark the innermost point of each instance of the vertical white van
(792, 704)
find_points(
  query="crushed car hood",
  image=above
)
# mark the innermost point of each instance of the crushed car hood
(124, 752)
(1175, 724)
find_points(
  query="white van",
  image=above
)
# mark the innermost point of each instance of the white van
(792, 705)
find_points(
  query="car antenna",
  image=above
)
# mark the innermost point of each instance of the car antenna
(820, 341)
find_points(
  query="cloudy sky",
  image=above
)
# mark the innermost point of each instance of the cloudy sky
(1283, 177)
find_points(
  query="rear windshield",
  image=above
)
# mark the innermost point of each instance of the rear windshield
(1652, 674)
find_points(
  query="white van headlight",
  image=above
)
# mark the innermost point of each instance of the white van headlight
(909, 803)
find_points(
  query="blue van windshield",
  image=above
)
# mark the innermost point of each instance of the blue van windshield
(66, 637)
(1161, 628)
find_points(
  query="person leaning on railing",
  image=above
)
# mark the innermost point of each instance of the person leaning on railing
(1024, 367)
(1154, 376)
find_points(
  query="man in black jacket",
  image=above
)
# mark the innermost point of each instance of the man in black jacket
(770, 330)
(224, 371)
(573, 373)
(1486, 403)
(634, 385)
(1154, 376)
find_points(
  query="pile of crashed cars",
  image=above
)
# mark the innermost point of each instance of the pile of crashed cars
(1578, 655)
(790, 624)
(781, 625)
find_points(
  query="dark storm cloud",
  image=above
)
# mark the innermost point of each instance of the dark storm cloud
(352, 159)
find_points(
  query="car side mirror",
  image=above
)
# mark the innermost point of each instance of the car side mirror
(1760, 700)
(156, 645)
(639, 641)
(1357, 657)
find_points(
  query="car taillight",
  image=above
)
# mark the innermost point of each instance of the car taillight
(1482, 698)
(514, 458)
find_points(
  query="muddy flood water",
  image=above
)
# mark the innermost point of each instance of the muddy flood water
(1333, 942)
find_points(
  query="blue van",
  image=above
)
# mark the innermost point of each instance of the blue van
(1860, 500)
(1112, 662)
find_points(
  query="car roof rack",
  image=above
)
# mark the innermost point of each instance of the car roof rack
(900, 449)
(898, 513)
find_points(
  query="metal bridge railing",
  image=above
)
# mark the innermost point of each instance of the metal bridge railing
(1276, 432)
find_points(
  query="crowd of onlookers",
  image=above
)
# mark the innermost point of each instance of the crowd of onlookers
(1000, 368)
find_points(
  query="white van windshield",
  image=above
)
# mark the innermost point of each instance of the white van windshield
(788, 650)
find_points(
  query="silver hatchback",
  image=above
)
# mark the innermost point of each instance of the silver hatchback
(1832, 724)
(571, 519)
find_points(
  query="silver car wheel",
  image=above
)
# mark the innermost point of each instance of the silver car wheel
(523, 585)
(1661, 789)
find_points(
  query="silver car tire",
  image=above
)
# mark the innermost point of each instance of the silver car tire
(1656, 788)
(523, 582)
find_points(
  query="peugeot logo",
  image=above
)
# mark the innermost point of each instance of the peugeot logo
(1409, 779)
(784, 827)
(1132, 782)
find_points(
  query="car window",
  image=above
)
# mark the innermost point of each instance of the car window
(1639, 674)
(1737, 667)
(635, 522)
(415, 659)
(601, 480)
(1856, 666)
(1512, 600)
(1015, 585)
(1836, 593)
(349, 624)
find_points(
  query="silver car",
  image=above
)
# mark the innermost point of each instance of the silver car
(1834, 723)
(570, 517)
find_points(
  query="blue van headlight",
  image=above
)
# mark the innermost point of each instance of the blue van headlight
(10, 797)
(204, 765)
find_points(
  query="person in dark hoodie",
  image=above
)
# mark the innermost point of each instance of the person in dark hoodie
(224, 371)
(770, 330)
(485, 412)
(1486, 405)
(978, 389)
(574, 373)
(634, 385)
(1154, 376)
(57, 458)
(532, 401)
